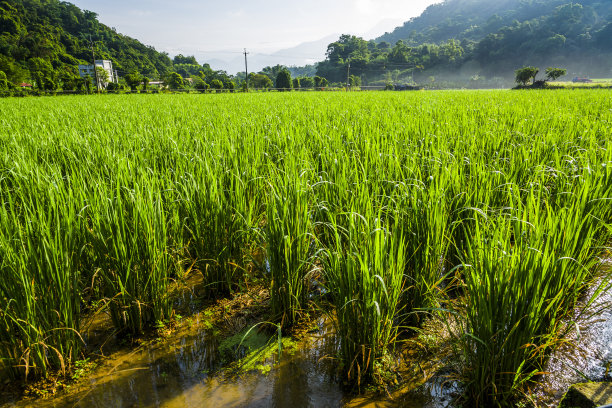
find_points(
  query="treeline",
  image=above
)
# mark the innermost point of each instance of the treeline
(189, 74)
(481, 38)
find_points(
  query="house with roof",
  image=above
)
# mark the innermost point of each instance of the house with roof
(106, 65)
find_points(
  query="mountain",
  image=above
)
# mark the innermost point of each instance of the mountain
(475, 38)
(306, 53)
(51, 37)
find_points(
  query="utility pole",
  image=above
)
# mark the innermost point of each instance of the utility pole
(348, 75)
(93, 56)
(246, 70)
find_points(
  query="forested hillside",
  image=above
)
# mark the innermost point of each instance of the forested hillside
(475, 38)
(50, 38)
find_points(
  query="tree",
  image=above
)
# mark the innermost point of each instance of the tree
(260, 81)
(86, 83)
(175, 81)
(145, 82)
(320, 82)
(69, 80)
(307, 82)
(14, 72)
(552, 74)
(199, 84)
(102, 77)
(3, 81)
(38, 78)
(272, 72)
(189, 60)
(216, 84)
(283, 80)
(133, 79)
(296, 83)
(525, 75)
(49, 84)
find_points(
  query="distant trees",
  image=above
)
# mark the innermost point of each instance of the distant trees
(283, 80)
(102, 77)
(14, 72)
(188, 67)
(199, 84)
(552, 74)
(69, 80)
(307, 82)
(272, 72)
(369, 59)
(41, 71)
(86, 83)
(3, 81)
(49, 84)
(260, 81)
(181, 59)
(525, 75)
(320, 82)
(296, 83)
(133, 80)
(216, 84)
(175, 81)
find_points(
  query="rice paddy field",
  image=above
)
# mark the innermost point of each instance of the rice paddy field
(487, 213)
(596, 83)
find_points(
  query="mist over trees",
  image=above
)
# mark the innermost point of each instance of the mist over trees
(472, 38)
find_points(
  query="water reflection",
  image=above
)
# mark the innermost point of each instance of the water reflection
(185, 371)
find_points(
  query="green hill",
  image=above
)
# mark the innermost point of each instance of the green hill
(514, 30)
(475, 19)
(474, 38)
(51, 38)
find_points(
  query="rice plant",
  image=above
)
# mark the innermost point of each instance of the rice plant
(289, 245)
(364, 275)
(40, 288)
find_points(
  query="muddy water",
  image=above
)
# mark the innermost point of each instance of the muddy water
(185, 371)
(588, 356)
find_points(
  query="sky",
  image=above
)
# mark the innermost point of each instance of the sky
(220, 30)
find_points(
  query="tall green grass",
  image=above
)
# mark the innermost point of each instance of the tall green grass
(40, 290)
(289, 245)
(364, 275)
(129, 236)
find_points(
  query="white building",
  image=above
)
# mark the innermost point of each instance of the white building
(88, 70)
